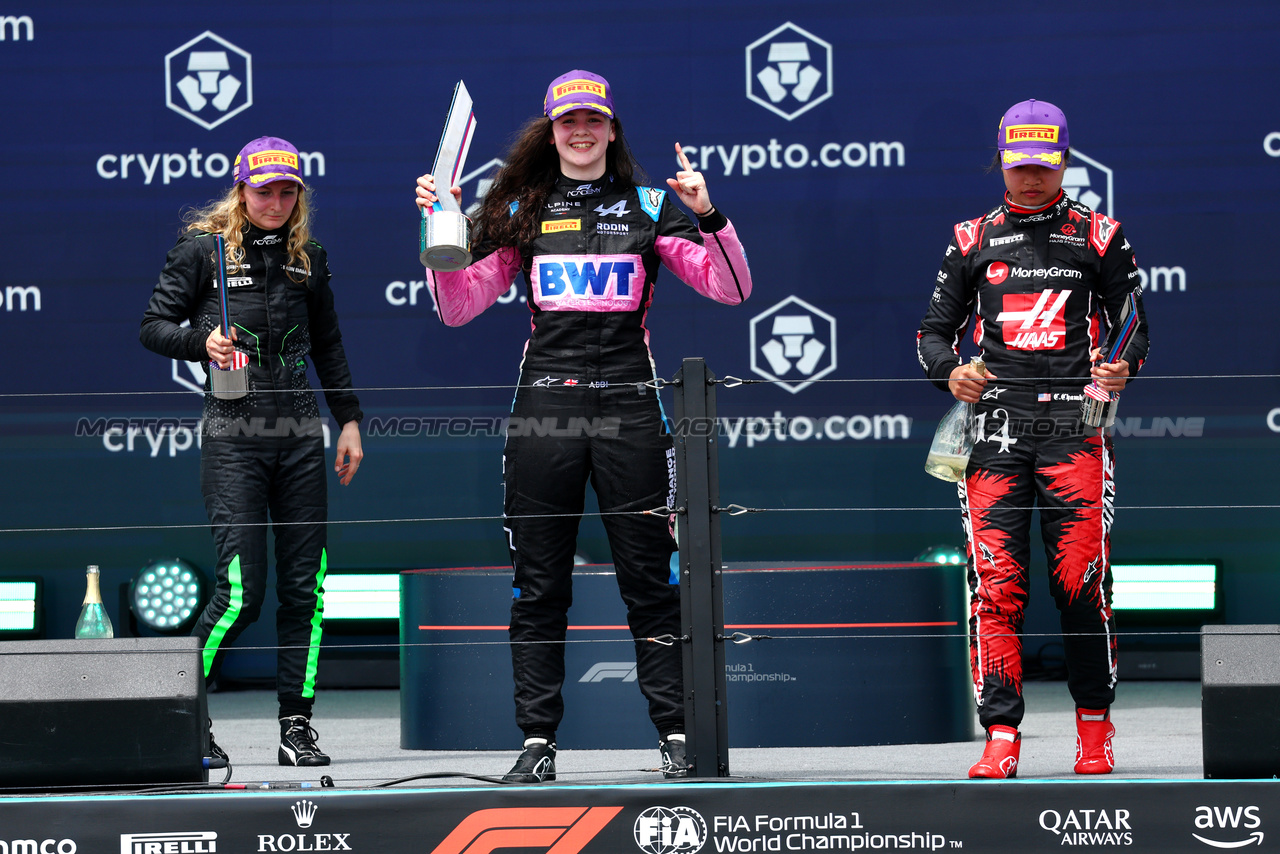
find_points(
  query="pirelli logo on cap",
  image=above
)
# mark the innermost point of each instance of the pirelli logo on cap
(1031, 133)
(562, 225)
(273, 158)
(570, 86)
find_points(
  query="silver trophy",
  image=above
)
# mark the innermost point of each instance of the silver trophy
(231, 383)
(444, 244)
(1099, 407)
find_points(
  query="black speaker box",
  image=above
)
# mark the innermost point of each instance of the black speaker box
(101, 712)
(1240, 701)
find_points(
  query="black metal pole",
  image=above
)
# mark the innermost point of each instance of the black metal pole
(706, 711)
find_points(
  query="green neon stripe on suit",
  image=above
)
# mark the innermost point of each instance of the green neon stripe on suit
(228, 616)
(317, 618)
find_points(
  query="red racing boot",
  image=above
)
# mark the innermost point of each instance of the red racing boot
(1000, 758)
(1093, 741)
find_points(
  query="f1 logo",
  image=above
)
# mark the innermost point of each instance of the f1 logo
(602, 670)
(558, 830)
(1029, 322)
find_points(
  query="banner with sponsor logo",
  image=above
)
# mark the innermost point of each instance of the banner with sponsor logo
(844, 142)
(709, 817)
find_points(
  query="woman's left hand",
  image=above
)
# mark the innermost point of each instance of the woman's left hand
(690, 187)
(349, 452)
(1110, 376)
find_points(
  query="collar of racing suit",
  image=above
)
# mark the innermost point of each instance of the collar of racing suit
(572, 189)
(1017, 212)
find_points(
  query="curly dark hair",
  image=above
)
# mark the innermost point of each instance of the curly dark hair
(532, 167)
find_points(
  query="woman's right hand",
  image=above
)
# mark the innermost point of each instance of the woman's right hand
(427, 192)
(967, 384)
(220, 347)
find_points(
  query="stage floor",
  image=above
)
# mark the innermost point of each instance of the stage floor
(1157, 723)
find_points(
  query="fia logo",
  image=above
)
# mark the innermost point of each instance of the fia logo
(208, 80)
(670, 830)
(1089, 184)
(793, 344)
(789, 71)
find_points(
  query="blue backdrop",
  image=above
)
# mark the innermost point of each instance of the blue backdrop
(844, 141)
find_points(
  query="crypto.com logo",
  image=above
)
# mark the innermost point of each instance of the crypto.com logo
(208, 80)
(189, 375)
(1085, 183)
(789, 71)
(796, 343)
(567, 829)
(483, 183)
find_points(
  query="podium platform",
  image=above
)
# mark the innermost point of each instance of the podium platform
(825, 655)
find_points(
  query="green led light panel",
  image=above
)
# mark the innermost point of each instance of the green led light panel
(1164, 587)
(17, 606)
(356, 596)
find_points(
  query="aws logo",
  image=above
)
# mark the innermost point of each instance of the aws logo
(1231, 821)
(567, 830)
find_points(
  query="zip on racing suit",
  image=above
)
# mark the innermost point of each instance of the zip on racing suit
(590, 274)
(1044, 286)
(263, 453)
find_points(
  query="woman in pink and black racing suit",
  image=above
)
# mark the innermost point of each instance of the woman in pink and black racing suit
(566, 210)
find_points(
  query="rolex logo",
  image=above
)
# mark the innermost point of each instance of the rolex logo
(303, 812)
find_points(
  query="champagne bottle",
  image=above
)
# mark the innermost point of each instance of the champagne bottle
(93, 622)
(953, 441)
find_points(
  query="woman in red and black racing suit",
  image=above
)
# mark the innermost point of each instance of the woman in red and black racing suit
(1045, 277)
(566, 211)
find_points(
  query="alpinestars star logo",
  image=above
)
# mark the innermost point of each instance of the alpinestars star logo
(208, 80)
(789, 71)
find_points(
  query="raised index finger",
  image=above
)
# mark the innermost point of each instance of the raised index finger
(684, 161)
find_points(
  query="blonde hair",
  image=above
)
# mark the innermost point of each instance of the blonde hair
(226, 216)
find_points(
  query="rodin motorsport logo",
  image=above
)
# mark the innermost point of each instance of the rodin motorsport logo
(793, 344)
(208, 80)
(789, 71)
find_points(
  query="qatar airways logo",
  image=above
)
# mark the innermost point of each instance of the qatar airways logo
(1034, 321)
(587, 283)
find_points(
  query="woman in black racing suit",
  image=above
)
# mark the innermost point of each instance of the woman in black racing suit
(1046, 278)
(566, 210)
(263, 454)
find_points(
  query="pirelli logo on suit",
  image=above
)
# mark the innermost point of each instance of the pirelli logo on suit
(554, 226)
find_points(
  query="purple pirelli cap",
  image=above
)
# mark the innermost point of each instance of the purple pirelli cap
(1033, 132)
(265, 160)
(578, 90)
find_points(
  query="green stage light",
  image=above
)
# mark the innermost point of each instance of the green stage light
(361, 596)
(20, 607)
(945, 555)
(166, 595)
(1166, 587)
